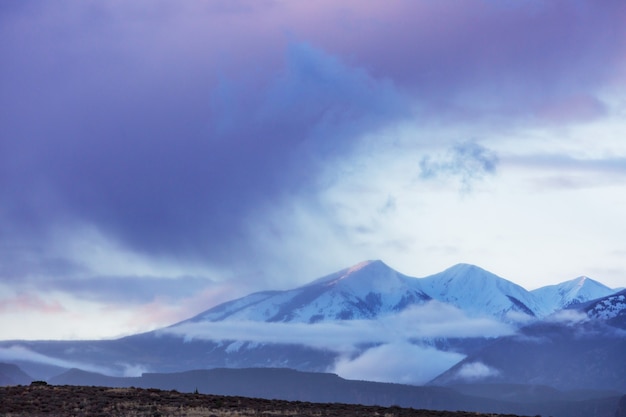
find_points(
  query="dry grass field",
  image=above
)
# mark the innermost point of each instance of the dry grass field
(49, 400)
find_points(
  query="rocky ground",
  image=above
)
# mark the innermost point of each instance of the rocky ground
(49, 400)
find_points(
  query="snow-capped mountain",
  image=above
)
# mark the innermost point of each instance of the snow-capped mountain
(358, 314)
(367, 290)
(569, 293)
(479, 292)
(371, 290)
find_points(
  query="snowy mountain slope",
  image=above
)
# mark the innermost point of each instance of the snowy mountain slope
(367, 290)
(569, 293)
(371, 289)
(355, 310)
(479, 292)
(607, 308)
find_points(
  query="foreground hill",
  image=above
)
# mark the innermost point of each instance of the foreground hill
(291, 385)
(40, 400)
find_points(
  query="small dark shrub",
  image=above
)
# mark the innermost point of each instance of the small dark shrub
(38, 383)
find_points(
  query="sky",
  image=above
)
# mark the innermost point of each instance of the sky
(160, 157)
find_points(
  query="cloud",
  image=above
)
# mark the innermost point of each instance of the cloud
(21, 353)
(436, 319)
(25, 302)
(567, 162)
(202, 139)
(335, 336)
(569, 317)
(569, 173)
(170, 143)
(403, 363)
(475, 371)
(182, 177)
(578, 108)
(431, 320)
(479, 65)
(467, 161)
(129, 289)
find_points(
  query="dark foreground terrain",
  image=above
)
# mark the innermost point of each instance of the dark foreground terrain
(65, 400)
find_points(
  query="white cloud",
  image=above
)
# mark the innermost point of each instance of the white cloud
(476, 370)
(337, 336)
(399, 362)
(21, 353)
(437, 319)
(568, 316)
(431, 320)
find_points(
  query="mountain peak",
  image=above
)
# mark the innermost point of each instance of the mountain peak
(365, 290)
(370, 264)
(572, 292)
(479, 291)
(464, 268)
(361, 269)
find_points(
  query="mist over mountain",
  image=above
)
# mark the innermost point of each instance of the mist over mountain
(580, 347)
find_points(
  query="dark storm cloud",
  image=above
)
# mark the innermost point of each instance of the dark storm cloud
(166, 158)
(169, 126)
(473, 60)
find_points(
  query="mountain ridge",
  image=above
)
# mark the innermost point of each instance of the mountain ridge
(352, 318)
(572, 292)
(364, 291)
(371, 288)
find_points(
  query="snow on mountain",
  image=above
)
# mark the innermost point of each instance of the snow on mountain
(371, 289)
(479, 292)
(367, 290)
(569, 293)
(609, 307)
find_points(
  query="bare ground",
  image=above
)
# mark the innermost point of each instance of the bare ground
(50, 400)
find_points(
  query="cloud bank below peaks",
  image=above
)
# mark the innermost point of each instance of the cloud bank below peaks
(395, 340)
(431, 320)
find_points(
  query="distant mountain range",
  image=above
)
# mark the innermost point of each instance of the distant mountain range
(371, 289)
(463, 325)
(291, 385)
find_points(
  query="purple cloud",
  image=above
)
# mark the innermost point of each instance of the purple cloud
(178, 130)
(171, 161)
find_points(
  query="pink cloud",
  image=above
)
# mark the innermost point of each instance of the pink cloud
(579, 107)
(162, 312)
(523, 55)
(26, 302)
